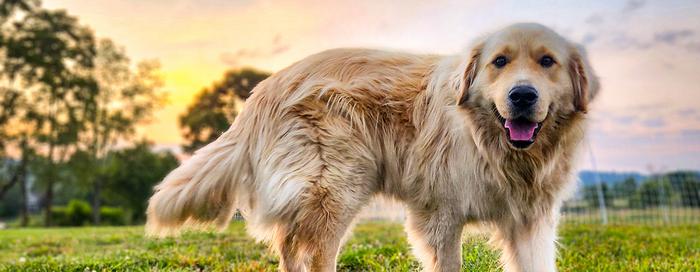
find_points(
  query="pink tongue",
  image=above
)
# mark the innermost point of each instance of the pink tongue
(520, 131)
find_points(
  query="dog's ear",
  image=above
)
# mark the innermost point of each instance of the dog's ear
(583, 79)
(469, 74)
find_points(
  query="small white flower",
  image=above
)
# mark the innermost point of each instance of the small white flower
(22, 259)
(127, 257)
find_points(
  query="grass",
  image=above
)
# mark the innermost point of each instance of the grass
(375, 246)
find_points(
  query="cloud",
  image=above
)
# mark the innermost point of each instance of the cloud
(235, 58)
(625, 119)
(229, 59)
(589, 38)
(691, 133)
(651, 120)
(673, 36)
(688, 112)
(693, 46)
(278, 47)
(595, 19)
(655, 122)
(623, 40)
(629, 29)
(633, 5)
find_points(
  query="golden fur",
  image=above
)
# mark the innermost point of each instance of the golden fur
(318, 139)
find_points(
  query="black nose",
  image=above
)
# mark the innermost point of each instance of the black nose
(522, 97)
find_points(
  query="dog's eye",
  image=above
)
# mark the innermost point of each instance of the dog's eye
(547, 61)
(500, 61)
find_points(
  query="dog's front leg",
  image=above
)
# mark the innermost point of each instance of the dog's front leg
(530, 247)
(436, 239)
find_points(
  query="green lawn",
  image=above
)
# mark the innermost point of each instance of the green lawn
(373, 247)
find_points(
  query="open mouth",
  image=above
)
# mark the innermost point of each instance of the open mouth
(521, 132)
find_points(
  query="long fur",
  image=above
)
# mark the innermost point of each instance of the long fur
(319, 139)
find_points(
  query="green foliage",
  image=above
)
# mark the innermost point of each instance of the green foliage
(654, 192)
(11, 7)
(49, 54)
(128, 178)
(590, 193)
(686, 184)
(10, 204)
(45, 62)
(112, 216)
(10, 101)
(76, 213)
(79, 213)
(65, 187)
(126, 97)
(375, 246)
(65, 94)
(214, 108)
(132, 174)
(680, 188)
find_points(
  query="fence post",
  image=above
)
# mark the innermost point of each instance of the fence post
(599, 187)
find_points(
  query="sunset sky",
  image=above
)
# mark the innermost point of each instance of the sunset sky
(646, 53)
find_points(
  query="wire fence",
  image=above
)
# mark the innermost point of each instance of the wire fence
(669, 198)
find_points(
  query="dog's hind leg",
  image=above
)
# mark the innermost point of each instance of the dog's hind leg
(436, 239)
(312, 242)
(328, 241)
(290, 259)
(338, 174)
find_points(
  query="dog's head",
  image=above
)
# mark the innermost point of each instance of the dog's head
(523, 82)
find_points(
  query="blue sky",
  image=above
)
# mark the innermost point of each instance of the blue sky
(646, 53)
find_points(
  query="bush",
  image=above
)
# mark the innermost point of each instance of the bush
(76, 213)
(79, 213)
(112, 216)
(59, 216)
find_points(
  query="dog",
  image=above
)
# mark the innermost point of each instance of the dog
(489, 137)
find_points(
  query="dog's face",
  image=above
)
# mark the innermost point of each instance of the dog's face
(523, 81)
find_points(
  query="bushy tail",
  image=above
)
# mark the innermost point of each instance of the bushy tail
(200, 192)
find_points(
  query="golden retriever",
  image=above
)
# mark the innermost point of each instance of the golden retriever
(484, 137)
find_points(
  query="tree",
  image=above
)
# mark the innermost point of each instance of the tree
(686, 186)
(653, 192)
(8, 8)
(10, 204)
(625, 188)
(132, 174)
(10, 97)
(125, 98)
(48, 56)
(214, 108)
(625, 191)
(590, 194)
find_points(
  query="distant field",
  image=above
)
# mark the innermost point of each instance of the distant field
(376, 246)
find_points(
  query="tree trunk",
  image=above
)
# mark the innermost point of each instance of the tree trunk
(17, 176)
(20, 176)
(97, 187)
(48, 196)
(48, 199)
(24, 210)
(6, 187)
